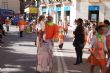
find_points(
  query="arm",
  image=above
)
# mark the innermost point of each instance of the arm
(55, 36)
(105, 47)
(92, 47)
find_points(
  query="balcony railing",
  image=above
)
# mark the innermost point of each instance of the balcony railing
(95, 1)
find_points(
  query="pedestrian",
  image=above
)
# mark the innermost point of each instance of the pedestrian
(61, 34)
(34, 26)
(7, 22)
(45, 45)
(79, 41)
(107, 23)
(65, 27)
(27, 25)
(91, 34)
(36, 31)
(21, 24)
(98, 49)
(15, 20)
(1, 31)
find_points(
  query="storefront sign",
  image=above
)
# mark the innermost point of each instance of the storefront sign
(94, 8)
(67, 8)
(31, 10)
(58, 8)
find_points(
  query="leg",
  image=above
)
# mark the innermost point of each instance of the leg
(80, 55)
(7, 28)
(3, 32)
(108, 69)
(60, 46)
(66, 31)
(102, 70)
(38, 72)
(92, 68)
(0, 38)
(21, 33)
(77, 55)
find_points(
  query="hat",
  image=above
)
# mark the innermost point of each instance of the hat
(106, 22)
(100, 25)
(50, 18)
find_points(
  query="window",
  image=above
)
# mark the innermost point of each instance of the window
(94, 0)
(5, 4)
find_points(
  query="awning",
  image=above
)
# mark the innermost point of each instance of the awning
(31, 10)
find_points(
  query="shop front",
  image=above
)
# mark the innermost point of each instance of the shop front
(43, 10)
(31, 12)
(94, 13)
(58, 13)
(67, 13)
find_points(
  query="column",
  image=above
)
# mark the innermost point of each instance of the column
(101, 12)
(72, 14)
(62, 12)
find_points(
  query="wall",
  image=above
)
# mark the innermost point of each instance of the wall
(0, 3)
(82, 9)
(12, 5)
(107, 9)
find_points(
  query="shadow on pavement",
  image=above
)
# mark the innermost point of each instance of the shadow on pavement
(69, 67)
(11, 62)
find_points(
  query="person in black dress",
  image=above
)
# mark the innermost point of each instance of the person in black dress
(79, 41)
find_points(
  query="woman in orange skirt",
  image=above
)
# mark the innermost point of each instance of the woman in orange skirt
(60, 35)
(98, 49)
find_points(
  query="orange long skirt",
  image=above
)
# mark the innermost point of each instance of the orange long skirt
(97, 62)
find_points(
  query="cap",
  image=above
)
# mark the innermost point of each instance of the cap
(50, 18)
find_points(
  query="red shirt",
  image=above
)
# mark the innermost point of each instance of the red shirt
(51, 31)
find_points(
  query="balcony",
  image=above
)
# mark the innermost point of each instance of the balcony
(95, 1)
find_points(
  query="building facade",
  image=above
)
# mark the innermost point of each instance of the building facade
(93, 10)
(31, 8)
(22, 6)
(10, 5)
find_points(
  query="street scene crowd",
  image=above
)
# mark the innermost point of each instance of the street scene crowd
(96, 34)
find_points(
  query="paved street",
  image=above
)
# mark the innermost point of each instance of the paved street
(19, 55)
